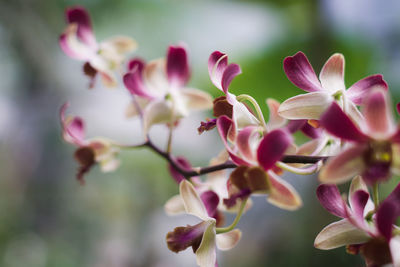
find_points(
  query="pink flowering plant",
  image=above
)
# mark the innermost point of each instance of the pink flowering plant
(350, 135)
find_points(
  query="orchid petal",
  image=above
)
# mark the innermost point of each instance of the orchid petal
(361, 88)
(134, 109)
(282, 194)
(336, 122)
(332, 74)
(79, 16)
(156, 112)
(242, 117)
(174, 206)
(217, 64)
(227, 241)
(385, 218)
(339, 234)
(244, 139)
(73, 128)
(272, 147)
(205, 254)
(231, 71)
(71, 45)
(306, 106)
(275, 120)
(134, 83)
(356, 184)
(359, 200)
(196, 99)
(210, 200)
(394, 245)
(178, 70)
(103, 67)
(119, 45)
(378, 115)
(344, 166)
(154, 77)
(299, 71)
(330, 199)
(191, 201)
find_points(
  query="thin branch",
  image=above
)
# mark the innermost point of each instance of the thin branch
(226, 165)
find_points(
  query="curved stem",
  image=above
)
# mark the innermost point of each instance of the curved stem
(260, 115)
(235, 222)
(375, 195)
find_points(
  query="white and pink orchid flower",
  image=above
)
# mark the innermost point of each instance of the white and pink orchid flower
(323, 91)
(90, 151)
(78, 42)
(160, 87)
(201, 237)
(251, 149)
(359, 229)
(221, 75)
(374, 147)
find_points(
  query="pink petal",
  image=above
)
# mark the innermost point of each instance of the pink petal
(136, 63)
(344, 166)
(181, 162)
(282, 194)
(73, 47)
(73, 129)
(335, 121)
(243, 141)
(210, 200)
(217, 64)
(385, 218)
(272, 147)
(225, 125)
(357, 91)
(134, 83)
(178, 70)
(330, 198)
(332, 74)
(378, 115)
(81, 17)
(359, 201)
(231, 71)
(299, 71)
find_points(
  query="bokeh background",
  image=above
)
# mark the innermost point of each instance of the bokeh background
(117, 219)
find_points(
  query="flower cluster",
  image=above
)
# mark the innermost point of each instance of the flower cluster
(351, 135)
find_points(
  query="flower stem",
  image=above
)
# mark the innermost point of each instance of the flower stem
(375, 194)
(235, 222)
(260, 115)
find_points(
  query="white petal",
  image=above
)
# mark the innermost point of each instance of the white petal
(196, 99)
(306, 106)
(159, 111)
(174, 206)
(242, 117)
(191, 201)
(227, 241)
(339, 234)
(155, 78)
(395, 250)
(332, 74)
(205, 254)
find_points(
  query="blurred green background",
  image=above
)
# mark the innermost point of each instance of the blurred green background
(117, 219)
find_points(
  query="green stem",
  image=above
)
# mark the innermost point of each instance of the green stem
(375, 195)
(235, 222)
(260, 115)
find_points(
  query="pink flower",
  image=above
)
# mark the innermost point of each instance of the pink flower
(202, 237)
(258, 155)
(360, 230)
(79, 42)
(89, 151)
(374, 147)
(323, 91)
(160, 87)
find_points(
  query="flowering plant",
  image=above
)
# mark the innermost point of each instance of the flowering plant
(344, 142)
